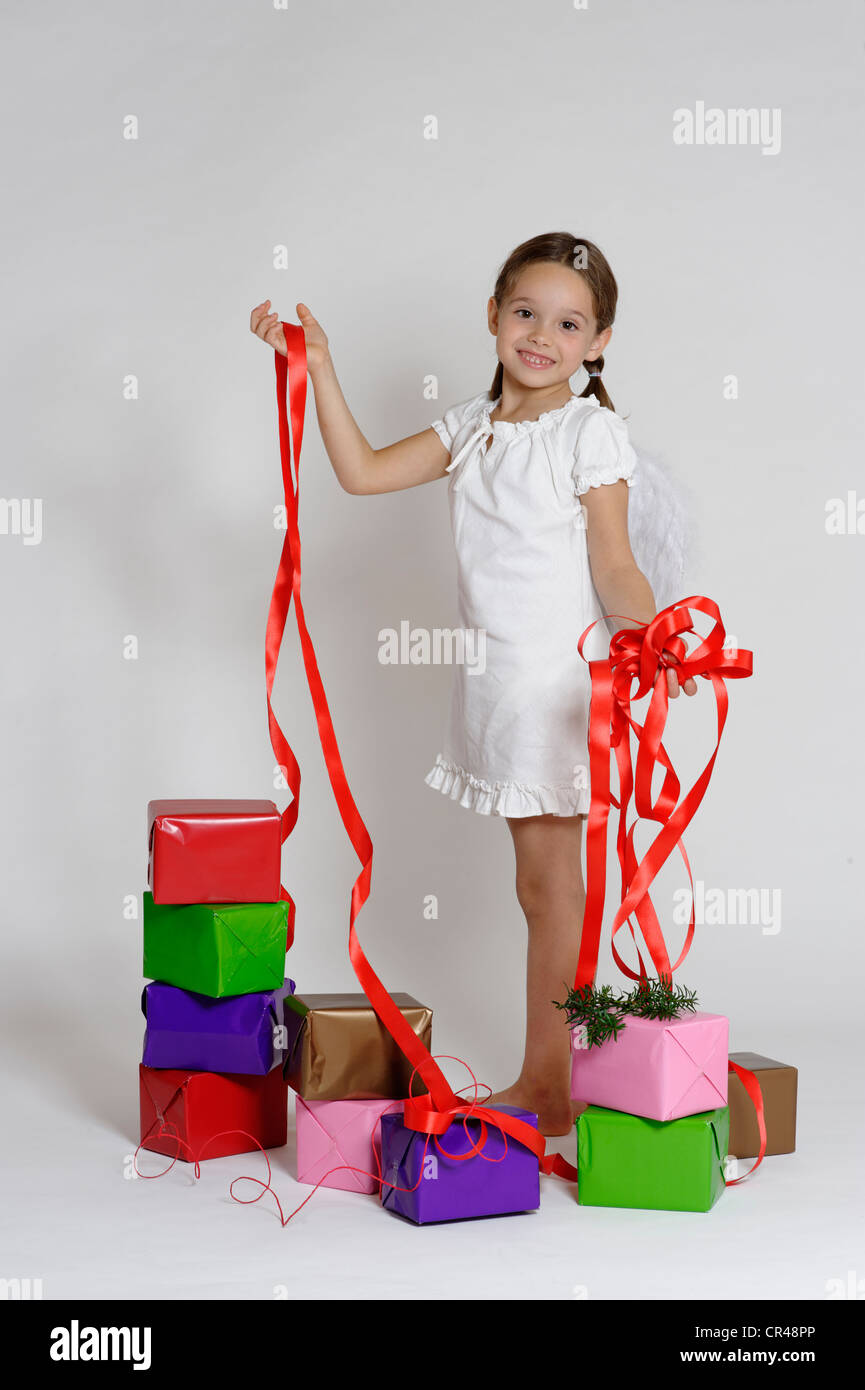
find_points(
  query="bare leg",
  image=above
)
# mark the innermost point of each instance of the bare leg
(551, 893)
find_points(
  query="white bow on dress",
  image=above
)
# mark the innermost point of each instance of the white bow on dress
(478, 434)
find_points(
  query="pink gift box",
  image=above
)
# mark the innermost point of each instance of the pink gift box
(332, 1132)
(661, 1069)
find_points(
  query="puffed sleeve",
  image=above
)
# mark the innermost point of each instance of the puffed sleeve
(603, 453)
(448, 427)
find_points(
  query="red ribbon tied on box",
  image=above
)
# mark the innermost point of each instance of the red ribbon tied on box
(643, 654)
(427, 1114)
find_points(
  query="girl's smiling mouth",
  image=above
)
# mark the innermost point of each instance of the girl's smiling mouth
(534, 359)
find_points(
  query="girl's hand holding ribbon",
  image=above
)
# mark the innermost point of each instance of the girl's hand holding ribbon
(269, 328)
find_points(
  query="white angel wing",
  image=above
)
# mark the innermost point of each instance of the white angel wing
(661, 527)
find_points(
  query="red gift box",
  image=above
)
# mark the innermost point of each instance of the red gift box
(193, 1106)
(214, 851)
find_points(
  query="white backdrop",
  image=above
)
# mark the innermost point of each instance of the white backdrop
(303, 127)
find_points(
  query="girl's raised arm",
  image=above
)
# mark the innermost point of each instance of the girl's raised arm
(360, 469)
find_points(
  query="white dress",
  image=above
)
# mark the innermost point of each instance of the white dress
(516, 737)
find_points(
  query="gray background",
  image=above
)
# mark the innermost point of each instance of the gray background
(304, 128)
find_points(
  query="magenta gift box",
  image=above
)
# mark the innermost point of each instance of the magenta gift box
(331, 1133)
(661, 1069)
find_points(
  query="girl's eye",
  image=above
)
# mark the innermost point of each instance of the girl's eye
(566, 324)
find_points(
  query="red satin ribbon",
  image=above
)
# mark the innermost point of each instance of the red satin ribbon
(280, 602)
(642, 654)
(442, 1102)
(420, 1115)
(755, 1094)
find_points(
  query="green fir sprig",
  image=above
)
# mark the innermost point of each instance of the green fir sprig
(660, 999)
(601, 1013)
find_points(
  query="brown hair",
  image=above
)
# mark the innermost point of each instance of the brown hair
(561, 248)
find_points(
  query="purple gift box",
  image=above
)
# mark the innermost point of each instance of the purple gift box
(243, 1033)
(492, 1183)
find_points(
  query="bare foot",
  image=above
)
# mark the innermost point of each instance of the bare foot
(553, 1109)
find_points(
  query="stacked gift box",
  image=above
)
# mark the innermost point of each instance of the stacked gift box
(351, 1081)
(226, 1031)
(660, 1121)
(346, 1072)
(215, 940)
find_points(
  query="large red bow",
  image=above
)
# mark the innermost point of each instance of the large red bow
(643, 654)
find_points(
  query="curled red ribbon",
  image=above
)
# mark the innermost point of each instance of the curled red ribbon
(755, 1095)
(442, 1101)
(643, 654)
(420, 1115)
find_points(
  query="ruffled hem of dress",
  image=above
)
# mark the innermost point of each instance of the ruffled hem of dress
(505, 798)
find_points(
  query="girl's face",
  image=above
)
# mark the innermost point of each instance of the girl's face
(545, 328)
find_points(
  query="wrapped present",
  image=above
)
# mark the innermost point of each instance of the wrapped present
(425, 1185)
(241, 1033)
(182, 1111)
(626, 1160)
(336, 1133)
(337, 1048)
(658, 1068)
(214, 851)
(229, 948)
(779, 1084)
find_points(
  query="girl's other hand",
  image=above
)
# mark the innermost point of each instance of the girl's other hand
(673, 687)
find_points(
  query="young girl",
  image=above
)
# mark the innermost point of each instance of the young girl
(538, 481)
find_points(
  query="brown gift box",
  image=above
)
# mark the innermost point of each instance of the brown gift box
(337, 1048)
(778, 1083)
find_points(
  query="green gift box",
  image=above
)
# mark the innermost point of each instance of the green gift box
(672, 1165)
(216, 948)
